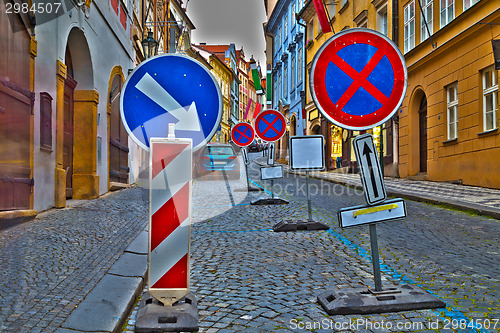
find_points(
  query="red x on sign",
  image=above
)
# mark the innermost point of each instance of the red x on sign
(242, 134)
(270, 125)
(358, 79)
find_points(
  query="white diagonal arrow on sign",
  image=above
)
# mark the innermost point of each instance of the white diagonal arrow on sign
(187, 116)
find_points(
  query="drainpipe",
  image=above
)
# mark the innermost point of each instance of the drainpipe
(395, 118)
(303, 96)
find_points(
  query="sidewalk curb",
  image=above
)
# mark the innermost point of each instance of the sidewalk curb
(464, 206)
(107, 306)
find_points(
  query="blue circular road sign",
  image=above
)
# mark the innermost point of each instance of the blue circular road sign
(171, 88)
(242, 134)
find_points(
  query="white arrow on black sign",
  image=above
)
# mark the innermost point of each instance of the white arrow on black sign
(369, 169)
(270, 154)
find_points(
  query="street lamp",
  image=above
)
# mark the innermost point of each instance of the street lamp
(149, 45)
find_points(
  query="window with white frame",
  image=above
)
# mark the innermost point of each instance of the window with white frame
(330, 8)
(447, 11)
(409, 26)
(452, 110)
(292, 74)
(294, 11)
(382, 23)
(490, 99)
(426, 18)
(469, 3)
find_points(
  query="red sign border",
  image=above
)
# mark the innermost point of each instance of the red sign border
(318, 73)
(264, 113)
(234, 128)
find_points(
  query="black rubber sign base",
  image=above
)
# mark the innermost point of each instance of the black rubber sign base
(269, 201)
(153, 316)
(362, 301)
(289, 225)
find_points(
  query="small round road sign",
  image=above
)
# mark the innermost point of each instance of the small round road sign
(270, 125)
(242, 134)
(358, 79)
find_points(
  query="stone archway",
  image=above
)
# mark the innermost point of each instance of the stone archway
(77, 116)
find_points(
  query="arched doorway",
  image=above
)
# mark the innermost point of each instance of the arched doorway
(118, 138)
(293, 125)
(69, 88)
(76, 157)
(422, 133)
(316, 130)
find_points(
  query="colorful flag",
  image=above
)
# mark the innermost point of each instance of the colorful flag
(248, 108)
(256, 78)
(322, 16)
(257, 110)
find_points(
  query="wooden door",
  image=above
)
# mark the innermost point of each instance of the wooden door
(69, 87)
(422, 115)
(118, 137)
(16, 102)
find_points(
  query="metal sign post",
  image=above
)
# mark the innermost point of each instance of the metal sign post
(165, 97)
(358, 81)
(270, 125)
(242, 134)
(270, 173)
(307, 153)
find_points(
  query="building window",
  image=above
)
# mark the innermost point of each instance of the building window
(45, 122)
(285, 32)
(452, 110)
(427, 17)
(285, 83)
(382, 20)
(409, 21)
(310, 30)
(279, 37)
(299, 66)
(292, 82)
(330, 8)
(294, 11)
(490, 99)
(469, 3)
(279, 88)
(447, 11)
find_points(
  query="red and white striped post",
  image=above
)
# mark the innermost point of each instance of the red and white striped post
(169, 218)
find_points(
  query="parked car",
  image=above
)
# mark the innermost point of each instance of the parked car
(254, 146)
(218, 157)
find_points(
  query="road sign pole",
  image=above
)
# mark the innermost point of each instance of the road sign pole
(375, 257)
(382, 150)
(272, 191)
(309, 211)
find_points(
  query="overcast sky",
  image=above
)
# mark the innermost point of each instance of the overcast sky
(230, 21)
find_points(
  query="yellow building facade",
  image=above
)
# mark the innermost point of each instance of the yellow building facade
(449, 117)
(224, 77)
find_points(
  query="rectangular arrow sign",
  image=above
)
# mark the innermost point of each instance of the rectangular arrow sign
(245, 155)
(369, 169)
(271, 151)
(387, 211)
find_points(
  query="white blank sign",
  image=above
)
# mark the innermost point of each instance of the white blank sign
(307, 152)
(271, 172)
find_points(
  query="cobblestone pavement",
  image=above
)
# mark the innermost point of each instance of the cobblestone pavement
(50, 264)
(248, 278)
(473, 197)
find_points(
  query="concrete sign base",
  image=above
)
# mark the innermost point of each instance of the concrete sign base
(362, 301)
(182, 316)
(289, 225)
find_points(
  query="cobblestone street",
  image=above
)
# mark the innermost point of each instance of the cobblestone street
(249, 278)
(51, 263)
